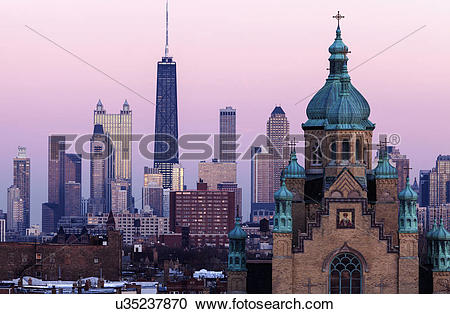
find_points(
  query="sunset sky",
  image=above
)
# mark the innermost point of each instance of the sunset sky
(250, 54)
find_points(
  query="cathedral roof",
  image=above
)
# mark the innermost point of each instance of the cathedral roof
(283, 193)
(237, 233)
(408, 193)
(338, 104)
(293, 170)
(384, 169)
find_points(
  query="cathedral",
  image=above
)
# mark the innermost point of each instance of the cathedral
(340, 225)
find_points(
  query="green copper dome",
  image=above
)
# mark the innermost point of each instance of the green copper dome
(384, 169)
(407, 214)
(439, 233)
(283, 193)
(294, 170)
(408, 193)
(237, 232)
(282, 219)
(439, 247)
(352, 112)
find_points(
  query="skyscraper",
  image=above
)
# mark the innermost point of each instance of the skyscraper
(166, 116)
(213, 173)
(53, 210)
(72, 185)
(262, 205)
(439, 176)
(102, 171)
(402, 164)
(72, 198)
(22, 181)
(119, 196)
(15, 210)
(152, 191)
(119, 128)
(424, 188)
(278, 135)
(227, 136)
(56, 153)
(177, 178)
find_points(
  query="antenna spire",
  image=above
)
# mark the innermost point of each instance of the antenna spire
(166, 51)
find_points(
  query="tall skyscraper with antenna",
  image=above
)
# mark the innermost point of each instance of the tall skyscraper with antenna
(166, 120)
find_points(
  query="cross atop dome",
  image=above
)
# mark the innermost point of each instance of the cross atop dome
(338, 17)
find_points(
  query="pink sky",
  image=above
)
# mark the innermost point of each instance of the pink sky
(250, 54)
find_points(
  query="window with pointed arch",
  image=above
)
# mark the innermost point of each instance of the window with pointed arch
(345, 274)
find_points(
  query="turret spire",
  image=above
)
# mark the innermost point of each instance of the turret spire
(166, 51)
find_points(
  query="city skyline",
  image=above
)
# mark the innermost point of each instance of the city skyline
(371, 74)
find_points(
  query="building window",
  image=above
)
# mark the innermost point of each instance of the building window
(316, 154)
(38, 256)
(95, 260)
(345, 150)
(358, 150)
(345, 274)
(333, 151)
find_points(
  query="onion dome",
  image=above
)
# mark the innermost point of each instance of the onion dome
(439, 233)
(430, 233)
(294, 170)
(408, 193)
(283, 194)
(439, 247)
(384, 169)
(237, 232)
(327, 108)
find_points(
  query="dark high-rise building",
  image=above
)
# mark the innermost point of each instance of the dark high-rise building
(22, 181)
(227, 136)
(102, 171)
(72, 199)
(56, 153)
(166, 120)
(64, 180)
(72, 185)
(53, 210)
(50, 217)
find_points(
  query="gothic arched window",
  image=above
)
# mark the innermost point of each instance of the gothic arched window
(345, 274)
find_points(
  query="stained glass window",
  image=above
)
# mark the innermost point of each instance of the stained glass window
(345, 274)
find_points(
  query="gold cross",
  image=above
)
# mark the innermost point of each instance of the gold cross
(338, 16)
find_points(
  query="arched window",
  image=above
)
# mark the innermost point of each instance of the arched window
(358, 150)
(345, 274)
(333, 150)
(345, 150)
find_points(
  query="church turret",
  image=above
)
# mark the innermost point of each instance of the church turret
(237, 260)
(282, 239)
(283, 209)
(438, 242)
(407, 216)
(384, 169)
(386, 198)
(408, 263)
(439, 247)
